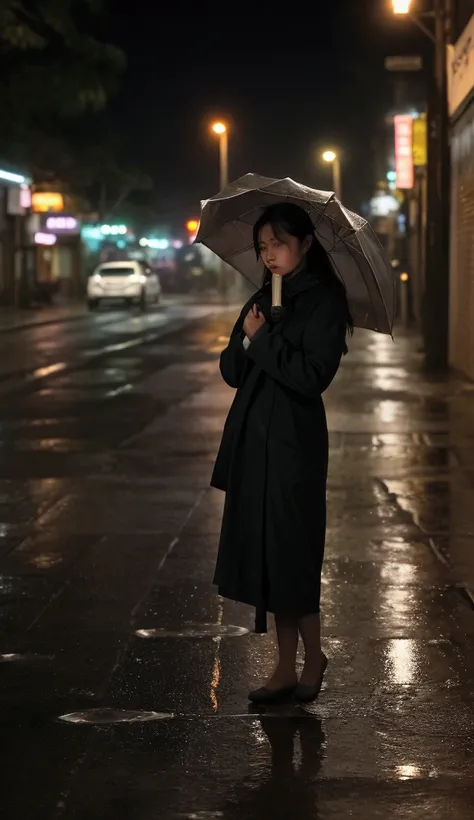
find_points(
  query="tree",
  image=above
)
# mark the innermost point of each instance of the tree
(54, 67)
(104, 180)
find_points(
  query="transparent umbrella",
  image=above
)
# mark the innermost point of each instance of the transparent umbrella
(356, 254)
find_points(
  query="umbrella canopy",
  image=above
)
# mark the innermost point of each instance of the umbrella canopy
(353, 248)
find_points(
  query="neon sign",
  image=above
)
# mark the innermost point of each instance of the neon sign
(45, 238)
(404, 150)
(62, 223)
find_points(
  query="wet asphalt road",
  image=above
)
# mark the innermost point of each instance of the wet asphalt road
(108, 428)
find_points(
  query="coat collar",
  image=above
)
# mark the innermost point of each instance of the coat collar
(300, 282)
(297, 283)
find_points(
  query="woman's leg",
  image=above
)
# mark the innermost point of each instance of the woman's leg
(287, 634)
(310, 629)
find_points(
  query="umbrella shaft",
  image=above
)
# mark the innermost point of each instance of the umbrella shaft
(276, 290)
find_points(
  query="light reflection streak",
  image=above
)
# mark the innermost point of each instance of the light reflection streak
(379, 345)
(46, 560)
(5, 530)
(388, 410)
(401, 573)
(407, 772)
(216, 669)
(51, 444)
(399, 603)
(388, 378)
(42, 372)
(124, 388)
(258, 734)
(401, 661)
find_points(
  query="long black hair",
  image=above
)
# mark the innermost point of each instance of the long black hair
(288, 218)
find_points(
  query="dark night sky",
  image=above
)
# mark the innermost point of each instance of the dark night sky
(289, 82)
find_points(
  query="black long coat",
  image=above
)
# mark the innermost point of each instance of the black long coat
(273, 458)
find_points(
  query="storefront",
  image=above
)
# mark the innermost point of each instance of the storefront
(461, 110)
(58, 254)
(15, 262)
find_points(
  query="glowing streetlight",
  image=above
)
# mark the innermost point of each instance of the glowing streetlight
(333, 159)
(220, 129)
(401, 6)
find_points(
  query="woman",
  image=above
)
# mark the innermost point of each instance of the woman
(272, 462)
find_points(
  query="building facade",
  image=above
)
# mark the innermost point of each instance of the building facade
(461, 110)
(16, 264)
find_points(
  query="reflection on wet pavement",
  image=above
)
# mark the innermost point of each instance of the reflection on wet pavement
(194, 631)
(109, 716)
(108, 536)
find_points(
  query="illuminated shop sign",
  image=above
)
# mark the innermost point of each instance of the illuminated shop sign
(43, 201)
(62, 224)
(404, 150)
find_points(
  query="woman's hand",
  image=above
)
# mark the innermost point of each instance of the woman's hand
(253, 321)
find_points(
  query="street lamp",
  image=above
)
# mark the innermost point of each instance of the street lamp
(404, 7)
(401, 6)
(436, 295)
(332, 157)
(220, 129)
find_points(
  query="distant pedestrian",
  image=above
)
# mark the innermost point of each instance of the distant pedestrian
(272, 462)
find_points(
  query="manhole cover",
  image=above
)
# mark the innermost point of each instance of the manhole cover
(105, 716)
(16, 657)
(194, 631)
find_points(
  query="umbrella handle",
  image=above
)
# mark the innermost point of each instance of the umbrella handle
(277, 313)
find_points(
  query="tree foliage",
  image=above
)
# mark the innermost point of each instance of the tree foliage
(52, 66)
(59, 72)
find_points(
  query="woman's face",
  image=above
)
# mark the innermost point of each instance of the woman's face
(284, 254)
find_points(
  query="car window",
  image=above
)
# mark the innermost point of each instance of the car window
(116, 271)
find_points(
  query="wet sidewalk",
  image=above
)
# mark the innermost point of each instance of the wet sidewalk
(65, 310)
(108, 602)
(18, 318)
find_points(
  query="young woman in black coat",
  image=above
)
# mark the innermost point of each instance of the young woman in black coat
(272, 462)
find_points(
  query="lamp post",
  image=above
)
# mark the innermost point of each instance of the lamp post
(332, 157)
(220, 129)
(436, 296)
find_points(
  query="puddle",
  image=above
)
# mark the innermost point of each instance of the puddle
(108, 716)
(195, 631)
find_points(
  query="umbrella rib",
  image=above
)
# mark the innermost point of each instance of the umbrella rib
(241, 250)
(269, 193)
(321, 216)
(361, 253)
(376, 282)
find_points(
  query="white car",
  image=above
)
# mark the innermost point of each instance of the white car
(131, 282)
